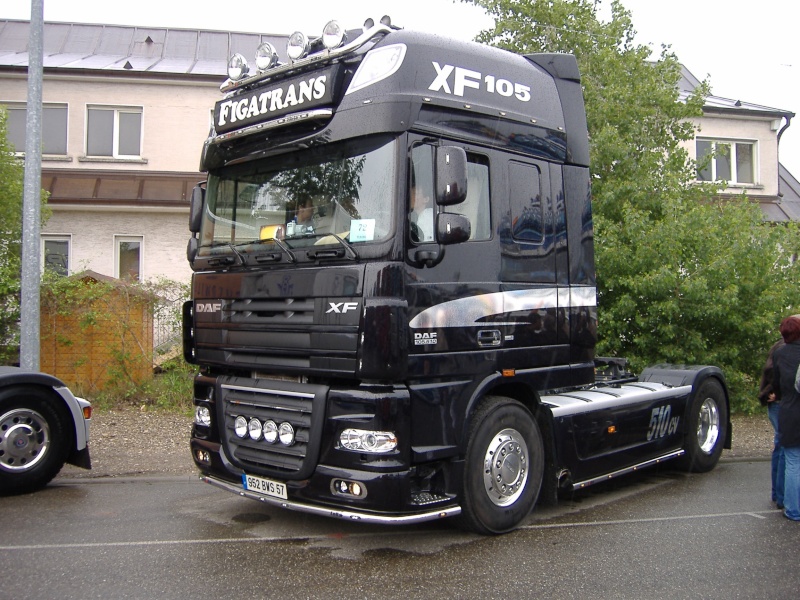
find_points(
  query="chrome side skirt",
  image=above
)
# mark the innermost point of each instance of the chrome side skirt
(347, 515)
(648, 463)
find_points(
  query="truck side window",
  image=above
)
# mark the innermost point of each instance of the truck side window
(527, 212)
(421, 206)
(476, 206)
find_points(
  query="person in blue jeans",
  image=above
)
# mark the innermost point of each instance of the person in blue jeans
(766, 396)
(785, 362)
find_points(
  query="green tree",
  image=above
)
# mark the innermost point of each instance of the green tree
(682, 275)
(11, 178)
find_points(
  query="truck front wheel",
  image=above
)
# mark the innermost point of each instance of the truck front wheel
(34, 439)
(503, 468)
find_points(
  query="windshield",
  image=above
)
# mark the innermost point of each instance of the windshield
(302, 200)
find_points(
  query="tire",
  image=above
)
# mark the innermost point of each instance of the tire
(35, 439)
(707, 427)
(505, 447)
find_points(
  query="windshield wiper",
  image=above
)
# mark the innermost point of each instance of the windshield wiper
(349, 251)
(348, 247)
(279, 243)
(223, 259)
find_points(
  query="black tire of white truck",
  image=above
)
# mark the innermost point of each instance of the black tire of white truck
(35, 438)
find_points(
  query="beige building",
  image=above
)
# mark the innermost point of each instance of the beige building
(738, 142)
(125, 114)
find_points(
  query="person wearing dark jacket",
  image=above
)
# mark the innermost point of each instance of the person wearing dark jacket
(766, 395)
(785, 362)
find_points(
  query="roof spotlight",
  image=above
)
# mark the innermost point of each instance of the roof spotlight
(332, 35)
(266, 56)
(368, 24)
(297, 46)
(386, 20)
(237, 67)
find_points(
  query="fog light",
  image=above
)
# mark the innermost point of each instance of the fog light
(237, 67)
(202, 416)
(375, 442)
(286, 434)
(353, 489)
(270, 432)
(202, 456)
(240, 427)
(254, 429)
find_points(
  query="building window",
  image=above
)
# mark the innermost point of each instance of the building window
(128, 257)
(54, 128)
(114, 132)
(55, 253)
(729, 161)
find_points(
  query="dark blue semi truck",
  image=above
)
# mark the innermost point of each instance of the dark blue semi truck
(394, 304)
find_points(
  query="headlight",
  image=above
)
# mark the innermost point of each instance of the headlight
(202, 416)
(378, 64)
(332, 35)
(297, 46)
(266, 56)
(375, 442)
(237, 67)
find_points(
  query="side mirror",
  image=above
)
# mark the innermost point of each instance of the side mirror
(452, 228)
(451, 175)
(196, 208)
(191, 249)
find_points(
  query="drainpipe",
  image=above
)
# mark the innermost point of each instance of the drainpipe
(785, 127)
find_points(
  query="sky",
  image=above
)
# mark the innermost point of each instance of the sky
(747, 53)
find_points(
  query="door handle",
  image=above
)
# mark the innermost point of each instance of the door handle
(489, 337)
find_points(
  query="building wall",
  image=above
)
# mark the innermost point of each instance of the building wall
(175, 119)
(175, 123)
(747, 129)
(165, 235)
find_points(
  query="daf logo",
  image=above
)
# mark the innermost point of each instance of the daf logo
(208, 307)
(341, 308)
(425, 339)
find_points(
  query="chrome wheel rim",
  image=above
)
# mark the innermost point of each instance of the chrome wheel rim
(24, 440)
(506, 467)
(708, 425)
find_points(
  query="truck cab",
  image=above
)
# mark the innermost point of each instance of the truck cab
(394, 283)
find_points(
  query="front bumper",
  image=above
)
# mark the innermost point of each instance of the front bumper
(390, 499)
(337, 513)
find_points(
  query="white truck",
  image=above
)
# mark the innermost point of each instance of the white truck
(42, 426)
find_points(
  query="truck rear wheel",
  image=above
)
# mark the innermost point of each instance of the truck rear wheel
(707, 427)
(34, 439)
(503, 468)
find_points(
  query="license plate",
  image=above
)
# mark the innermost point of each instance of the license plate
(268, 487)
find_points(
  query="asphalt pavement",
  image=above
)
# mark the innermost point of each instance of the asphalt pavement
(658, 534)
